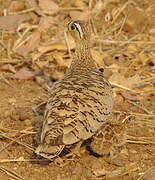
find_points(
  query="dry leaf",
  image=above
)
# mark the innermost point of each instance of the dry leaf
(16, 6)
(36, 55)
(42, 64)
(115, 173)
(149, 175)
(133, 24)
(99, 6)
(107, 73)
(58, 57)
(61, 46)
(34, 4)
(8, 67)
(108, 59)
(79, 3)
(46, 22)
(143, 58)
(152, 31)
(30, 44)
(31, 3)
(114, 67)
(78, 15)
(117, 78)
(24, 74)
(54, 74)
(71, 42)
(98, 57)
(129, 95)
(132, 48)
(48, 5)
(11, 22)
(56, 46)
(100, 172)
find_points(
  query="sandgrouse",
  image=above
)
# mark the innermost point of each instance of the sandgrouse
(79, 104)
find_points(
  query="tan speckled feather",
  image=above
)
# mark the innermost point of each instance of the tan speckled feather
(80, 103)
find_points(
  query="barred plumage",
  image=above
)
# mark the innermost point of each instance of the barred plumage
(80, 103)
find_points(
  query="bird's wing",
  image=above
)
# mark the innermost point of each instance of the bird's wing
(75, 112)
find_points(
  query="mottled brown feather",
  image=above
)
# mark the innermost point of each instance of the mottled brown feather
(79, 104)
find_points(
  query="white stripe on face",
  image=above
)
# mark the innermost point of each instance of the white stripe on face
(78, 27)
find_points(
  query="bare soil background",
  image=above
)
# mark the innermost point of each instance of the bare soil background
(35, 51)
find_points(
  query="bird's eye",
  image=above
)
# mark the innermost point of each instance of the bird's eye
(72, 27)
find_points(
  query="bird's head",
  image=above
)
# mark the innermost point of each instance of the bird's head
(80, 30)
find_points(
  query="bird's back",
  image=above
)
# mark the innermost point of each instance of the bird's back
(79, 104)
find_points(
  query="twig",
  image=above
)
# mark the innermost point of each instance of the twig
(25, 11)
(141, 177)
(24, 131)
(9, 50)
(127, 117)
(37, 106)
(90, 4)
(72, 9)
(122, 87)
(14, 140)
(11, 173)
(67, 43)
(120, 30)
(136, 114)
(140, 107)
(121, 10)
(20, 42)
(2, 44)
(13, 61)
(6, 81)
(122, 42)
(145, 80)
(139, 140)
(21, 160)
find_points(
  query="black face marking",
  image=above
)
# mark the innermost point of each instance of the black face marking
(74, 25)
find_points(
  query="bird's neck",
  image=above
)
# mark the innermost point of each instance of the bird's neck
(82, 58)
